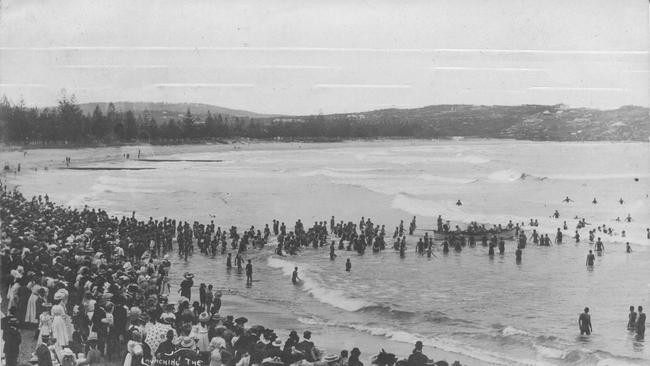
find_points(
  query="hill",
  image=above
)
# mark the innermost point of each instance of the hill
(164, 111)
(527, 122)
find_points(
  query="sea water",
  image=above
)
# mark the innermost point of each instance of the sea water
(491, 310)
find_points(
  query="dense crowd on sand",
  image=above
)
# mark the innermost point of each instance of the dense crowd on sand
(93, 289)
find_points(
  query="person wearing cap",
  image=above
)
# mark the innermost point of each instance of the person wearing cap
(12, 339)
(417, 358)
(42, 351)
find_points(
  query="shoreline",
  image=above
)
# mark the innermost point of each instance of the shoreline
(4, 147)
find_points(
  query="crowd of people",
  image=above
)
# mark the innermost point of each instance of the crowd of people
(94, 289)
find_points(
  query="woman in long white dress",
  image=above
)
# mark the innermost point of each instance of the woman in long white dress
(31, 317)
(59, 323)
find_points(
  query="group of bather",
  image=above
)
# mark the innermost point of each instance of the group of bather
(92, 288)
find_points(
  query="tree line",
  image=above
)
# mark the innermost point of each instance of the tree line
(66, 123)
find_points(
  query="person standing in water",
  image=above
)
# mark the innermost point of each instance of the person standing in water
(229, 261)
(518, 255)
(628, 248)
(294, 276)
(640, 324)
(590, 259)
(249, 272)
(600, 247)
(348, 265)
(631, 322)
(584, 323)
(332, 254)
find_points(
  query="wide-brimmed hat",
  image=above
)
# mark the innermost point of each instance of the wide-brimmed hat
(331, 358)
(277, 342)
(272, 361)
(186, 342)
(241, 320)
(67, 352)
(217, 343)
(204, 317)
(188, 275)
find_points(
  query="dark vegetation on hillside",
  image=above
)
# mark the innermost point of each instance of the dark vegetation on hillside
(108, 123)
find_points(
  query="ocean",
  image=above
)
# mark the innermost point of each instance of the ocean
(485, 311)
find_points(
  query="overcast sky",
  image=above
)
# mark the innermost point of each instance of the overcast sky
(306, 56)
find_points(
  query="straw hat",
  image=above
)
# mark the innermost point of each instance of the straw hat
(188, 275)
(186, 342)
(217, 343)
(204, 317)
(67, 352)
(331, 358)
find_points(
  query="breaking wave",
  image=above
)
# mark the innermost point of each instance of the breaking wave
(320, 292)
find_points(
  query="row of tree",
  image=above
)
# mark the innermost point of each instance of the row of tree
(66, 123)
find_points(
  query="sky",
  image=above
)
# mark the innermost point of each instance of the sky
(334, 56)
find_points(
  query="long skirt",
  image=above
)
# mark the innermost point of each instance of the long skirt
(30, 315)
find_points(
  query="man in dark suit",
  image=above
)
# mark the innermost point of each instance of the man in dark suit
(43, 352)
(99, 326)
(12, 339)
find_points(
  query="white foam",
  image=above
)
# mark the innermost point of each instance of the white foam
(445, 344)
(441, 179)
(549, 352)
(105, 188)
(448, 210)
(411, 159)
(509, 331)
(598, 176)
(507, 175)
(336, 298)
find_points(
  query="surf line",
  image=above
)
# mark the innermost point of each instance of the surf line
(103, 168)
(182, 160)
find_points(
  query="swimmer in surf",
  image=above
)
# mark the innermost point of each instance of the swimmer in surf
(631, 323)
(458, 203)
(584, 323)
(590, 259)
(348, 265)
(567, 199)
(294, 277)
(628, 248)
